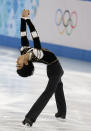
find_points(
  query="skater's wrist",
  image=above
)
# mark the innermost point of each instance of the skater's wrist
(25, 18)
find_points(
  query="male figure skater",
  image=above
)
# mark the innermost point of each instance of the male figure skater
(25, 68)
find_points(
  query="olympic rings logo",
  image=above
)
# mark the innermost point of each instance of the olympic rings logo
(66, 21)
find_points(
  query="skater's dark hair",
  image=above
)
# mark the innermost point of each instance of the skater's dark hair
(26, 70)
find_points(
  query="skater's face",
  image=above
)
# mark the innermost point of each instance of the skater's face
(22, 60)
(19, 62)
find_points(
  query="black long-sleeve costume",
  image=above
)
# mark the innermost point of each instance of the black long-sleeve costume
(54, 73)
(48, 56)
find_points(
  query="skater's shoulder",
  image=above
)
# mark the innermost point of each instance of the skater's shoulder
(45, 49)
(48, 51)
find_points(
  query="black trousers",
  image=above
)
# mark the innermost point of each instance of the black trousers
(55, 85)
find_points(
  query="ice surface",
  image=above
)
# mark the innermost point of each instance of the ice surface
(17, 95)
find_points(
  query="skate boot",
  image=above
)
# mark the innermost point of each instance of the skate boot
(59, 115)
(27, 122)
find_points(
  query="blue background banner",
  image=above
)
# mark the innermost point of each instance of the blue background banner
(10, 13)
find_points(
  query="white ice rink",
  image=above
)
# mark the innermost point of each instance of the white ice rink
(18, 94)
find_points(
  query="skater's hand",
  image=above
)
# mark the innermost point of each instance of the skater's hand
(25, 13)
(22, 60)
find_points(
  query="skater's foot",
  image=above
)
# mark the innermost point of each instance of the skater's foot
(27, 122)
(58, 115)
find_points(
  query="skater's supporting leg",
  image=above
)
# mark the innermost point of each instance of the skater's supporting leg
(60, 100)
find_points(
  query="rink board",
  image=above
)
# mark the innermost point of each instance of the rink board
(59, 50)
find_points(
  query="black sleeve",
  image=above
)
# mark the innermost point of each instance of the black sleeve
(33, 31)
(24, 39)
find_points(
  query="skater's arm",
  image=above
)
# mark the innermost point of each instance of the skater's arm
(34, 34)
(23, 33)
(25, 43)
(24, 40)
(37, 52)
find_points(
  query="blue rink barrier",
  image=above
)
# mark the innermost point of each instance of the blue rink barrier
(59, 50)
